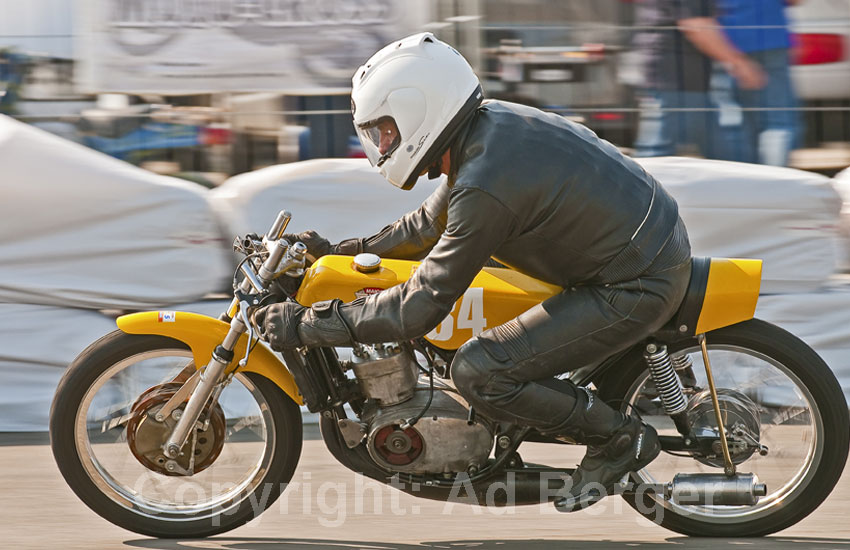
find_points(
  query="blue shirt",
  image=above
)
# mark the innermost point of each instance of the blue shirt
(754, 25)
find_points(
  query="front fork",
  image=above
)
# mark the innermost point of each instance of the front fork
(202, 385)
(208, 379)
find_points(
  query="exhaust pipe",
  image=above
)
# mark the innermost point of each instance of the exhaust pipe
(715, 489)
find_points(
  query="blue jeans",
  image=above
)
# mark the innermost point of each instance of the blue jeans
(670, 118)
(748, 133)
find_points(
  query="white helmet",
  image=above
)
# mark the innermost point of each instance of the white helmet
(408, 102)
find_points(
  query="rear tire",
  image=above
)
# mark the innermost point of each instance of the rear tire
(760, 339)
(68, 447)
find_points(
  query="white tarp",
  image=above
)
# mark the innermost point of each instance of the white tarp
(788, 218)
(339, 198)
(841, 182)
(821, 319)
(81, 229)
(172, 46)
(37, 343)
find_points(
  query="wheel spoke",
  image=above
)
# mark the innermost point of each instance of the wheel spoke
(785, 418)
(106, 415)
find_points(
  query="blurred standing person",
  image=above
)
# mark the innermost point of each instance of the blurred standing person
(758, 125)
(677, 41)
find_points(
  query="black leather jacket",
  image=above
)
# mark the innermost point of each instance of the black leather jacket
(538, 193)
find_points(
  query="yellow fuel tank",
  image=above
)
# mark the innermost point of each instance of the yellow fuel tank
(495, 296)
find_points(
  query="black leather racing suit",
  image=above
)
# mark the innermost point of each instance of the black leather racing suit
(544, 196)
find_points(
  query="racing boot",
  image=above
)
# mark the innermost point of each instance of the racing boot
(616, 445)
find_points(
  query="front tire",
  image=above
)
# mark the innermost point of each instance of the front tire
(803, 415)
(88, 421)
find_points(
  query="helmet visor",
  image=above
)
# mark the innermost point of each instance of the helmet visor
(380, 138)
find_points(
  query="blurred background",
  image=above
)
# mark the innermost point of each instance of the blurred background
(209, 89)
(231, 94)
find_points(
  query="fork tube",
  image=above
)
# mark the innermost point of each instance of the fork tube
(729, 467)
(279, 225)
(210, 376)
(232, 311)
(233, 308)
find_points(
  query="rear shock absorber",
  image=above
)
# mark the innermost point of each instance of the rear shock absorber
(668, 385)
(684, 366)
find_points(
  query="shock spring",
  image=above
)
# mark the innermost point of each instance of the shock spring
(666, 380)
(682, 362)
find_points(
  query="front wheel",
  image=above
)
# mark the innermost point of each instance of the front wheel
(241, 460)
(774, 389)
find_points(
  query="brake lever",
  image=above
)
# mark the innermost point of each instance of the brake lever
(249, 324)
(246, 302)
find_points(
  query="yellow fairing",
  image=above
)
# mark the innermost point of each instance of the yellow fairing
(731, 293)
(202, 334)
(494, 297)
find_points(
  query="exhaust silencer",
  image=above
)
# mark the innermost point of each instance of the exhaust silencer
(715, 489)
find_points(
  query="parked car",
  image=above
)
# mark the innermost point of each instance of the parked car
(822, 41)
(821, 71)
(561, 57)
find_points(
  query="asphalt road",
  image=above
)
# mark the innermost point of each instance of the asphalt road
(332, 508)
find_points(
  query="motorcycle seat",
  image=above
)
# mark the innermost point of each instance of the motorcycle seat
(721, 292)
(684, 321)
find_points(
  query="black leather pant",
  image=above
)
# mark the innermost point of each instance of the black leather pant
(507, 372)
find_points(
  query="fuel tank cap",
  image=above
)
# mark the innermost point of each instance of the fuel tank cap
(367, 263)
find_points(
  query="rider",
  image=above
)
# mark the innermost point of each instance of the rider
(540, 194)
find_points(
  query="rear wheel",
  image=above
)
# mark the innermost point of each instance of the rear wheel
(798, 412)
(245, 456)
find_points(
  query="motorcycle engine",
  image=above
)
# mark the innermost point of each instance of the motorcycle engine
(441, 441)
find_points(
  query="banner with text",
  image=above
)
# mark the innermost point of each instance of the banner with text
(291, 46)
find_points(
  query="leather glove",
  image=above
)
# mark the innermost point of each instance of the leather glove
(288, 325)
(318, 246)
(278, 324)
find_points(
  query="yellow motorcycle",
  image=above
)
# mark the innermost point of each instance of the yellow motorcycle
(182, 425)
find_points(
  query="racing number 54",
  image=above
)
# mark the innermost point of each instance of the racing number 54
(470, 314)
